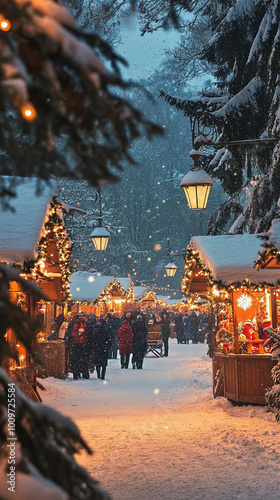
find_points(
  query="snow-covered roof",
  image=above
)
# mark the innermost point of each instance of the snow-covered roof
(274, 233)
(140, 292)
(22, 229)
(231, 258)
(124, 282)
(88, 287)
(169, 301)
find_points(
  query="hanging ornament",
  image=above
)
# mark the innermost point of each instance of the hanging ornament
(244, 301)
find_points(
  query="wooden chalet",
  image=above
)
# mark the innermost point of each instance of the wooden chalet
(145, 298)
(93, 293)
(243, 291)
(33, 239)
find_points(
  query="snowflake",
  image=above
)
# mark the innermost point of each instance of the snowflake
(244, 301)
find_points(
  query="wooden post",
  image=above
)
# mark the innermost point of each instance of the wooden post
(273, 307)
(235, 325)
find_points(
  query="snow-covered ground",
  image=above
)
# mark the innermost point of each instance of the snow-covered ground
(158, 434)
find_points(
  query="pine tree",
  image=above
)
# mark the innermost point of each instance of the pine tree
(244, 104)
(63, 110)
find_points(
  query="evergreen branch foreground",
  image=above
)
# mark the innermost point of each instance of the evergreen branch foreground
(45, 445)
(45, 441)
(64, 107)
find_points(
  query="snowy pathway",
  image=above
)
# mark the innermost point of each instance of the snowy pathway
(159, 435)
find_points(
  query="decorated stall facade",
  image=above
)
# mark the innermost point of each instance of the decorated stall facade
(145, 298)
(34, 240)
(244, 301)
(96, 294)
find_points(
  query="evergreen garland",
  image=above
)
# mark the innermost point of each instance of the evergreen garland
(54, 228)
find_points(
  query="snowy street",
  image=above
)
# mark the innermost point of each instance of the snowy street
(157, 433)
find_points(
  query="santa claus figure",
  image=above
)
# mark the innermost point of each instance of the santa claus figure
(249, 330)
(266, 324)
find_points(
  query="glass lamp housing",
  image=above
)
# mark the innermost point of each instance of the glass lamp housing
(100, 237)
(171, 269)
(197, 184)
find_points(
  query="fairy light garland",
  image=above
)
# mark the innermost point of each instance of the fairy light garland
(270, 251)
(54, 229)
(216, 288)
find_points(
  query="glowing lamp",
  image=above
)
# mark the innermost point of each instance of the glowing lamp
(28, 112)
(100, 237)
(5, 25)
(196, 184)
(171, 269)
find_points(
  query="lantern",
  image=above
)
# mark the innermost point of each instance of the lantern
(196, 184)
(100, 237)
(171, 269)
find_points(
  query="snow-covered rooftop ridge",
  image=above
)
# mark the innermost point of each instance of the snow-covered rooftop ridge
(140, 291)
(231, 258)
(274, 233)
(85, 286)
(169, 301)
(22, 228)
(88, 287)
(124, 282)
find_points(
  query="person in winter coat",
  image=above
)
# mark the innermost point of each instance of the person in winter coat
(116, 324)
(179, 328)
(202, 327)
(125, 335)
(165, 331)
(101, 345)
(190, 327)
(80, 350)
(113, 324)
(91, 323)
(139, 342)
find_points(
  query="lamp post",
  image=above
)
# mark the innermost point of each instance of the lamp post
(197, 184)
(100, 236)
(171, 268)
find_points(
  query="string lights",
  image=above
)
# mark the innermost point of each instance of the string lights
(54, 229)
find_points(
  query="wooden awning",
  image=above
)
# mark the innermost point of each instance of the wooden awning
(198, 282)
(270, 263)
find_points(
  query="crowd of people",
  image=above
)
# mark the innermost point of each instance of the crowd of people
(91, 341)
(191, 326)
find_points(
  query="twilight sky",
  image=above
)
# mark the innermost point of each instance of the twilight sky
(144, 53)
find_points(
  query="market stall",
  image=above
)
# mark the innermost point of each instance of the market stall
(95, 294)
(145, 298)
(38, 245)
(244, 301)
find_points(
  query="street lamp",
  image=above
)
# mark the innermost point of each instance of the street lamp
(100, 236)
(196, 184)
(171, 269)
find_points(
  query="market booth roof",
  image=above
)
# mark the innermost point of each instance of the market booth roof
(87, 287)
(140, 292)
(169, 301)
(231, 258)
(124, 282)
(22, 228)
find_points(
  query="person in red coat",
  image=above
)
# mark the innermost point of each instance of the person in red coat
(125, 335)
